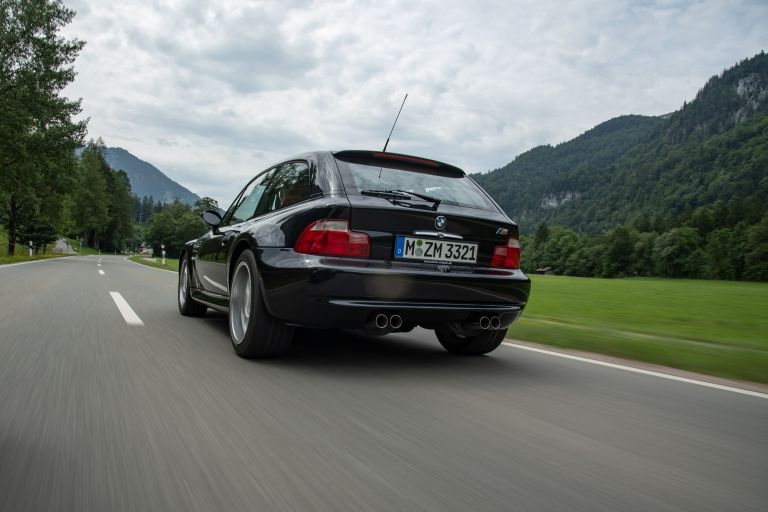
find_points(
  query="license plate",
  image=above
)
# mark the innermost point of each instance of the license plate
(410, 248)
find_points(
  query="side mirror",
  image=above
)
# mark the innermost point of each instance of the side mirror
(212, 218)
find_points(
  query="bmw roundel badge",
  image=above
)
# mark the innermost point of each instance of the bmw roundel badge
(440, 222)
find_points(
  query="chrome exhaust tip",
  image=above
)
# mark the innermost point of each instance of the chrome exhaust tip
(381, 321)
(395, 321)
(485, 322)
(495, 322)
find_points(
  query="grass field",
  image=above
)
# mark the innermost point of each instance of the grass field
(170, 263)
(714, 327)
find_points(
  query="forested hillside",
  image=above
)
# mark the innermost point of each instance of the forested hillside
(685, 195)
(714, 148)
(539, 182)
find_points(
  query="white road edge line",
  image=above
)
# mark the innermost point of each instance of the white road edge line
(166, 270)
(101, 272)
(130, 316)
(44, 260)
(639, 370)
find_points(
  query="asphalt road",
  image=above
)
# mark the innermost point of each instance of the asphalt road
(100, 415)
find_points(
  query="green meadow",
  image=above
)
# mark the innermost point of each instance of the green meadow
(714, 327)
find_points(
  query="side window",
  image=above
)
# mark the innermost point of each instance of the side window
(289, 185)
(249, 200)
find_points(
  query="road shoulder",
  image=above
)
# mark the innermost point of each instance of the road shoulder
(647, 367)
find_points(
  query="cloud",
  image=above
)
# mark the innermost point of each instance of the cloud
(213, 92)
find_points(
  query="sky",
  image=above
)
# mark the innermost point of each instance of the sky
(213, 92)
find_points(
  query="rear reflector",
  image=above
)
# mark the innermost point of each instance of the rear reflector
(507, 256)
(331, 237)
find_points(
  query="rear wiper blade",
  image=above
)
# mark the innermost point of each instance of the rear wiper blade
(420, 196)
(400, 194)
(389, 194)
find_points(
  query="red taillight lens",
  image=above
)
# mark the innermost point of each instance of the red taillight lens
(507, 256)
(333, 238)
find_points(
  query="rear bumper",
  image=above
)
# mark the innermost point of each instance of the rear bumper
(327, 292)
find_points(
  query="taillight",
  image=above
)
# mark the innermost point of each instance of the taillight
(333, 238)
(405, 158)
(507, 256)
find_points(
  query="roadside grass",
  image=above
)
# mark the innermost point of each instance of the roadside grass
(19, 258)
(171, 264)
(22, 253)
(714, 327)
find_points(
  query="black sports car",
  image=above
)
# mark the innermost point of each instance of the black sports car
(358, 240)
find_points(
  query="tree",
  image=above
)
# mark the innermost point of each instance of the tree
(675, 253)
(36, 127)
(206, 203)
(724, 253)
(103, 205)
(642, 254)
(542, 234)
(147, 204)
(119, 206)
(617, 258)
(175, 225)
(91, 211)
(757, 256)
(38, 231)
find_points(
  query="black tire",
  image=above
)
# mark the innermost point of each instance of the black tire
(253, 331)
(187, 305)
(477, 345)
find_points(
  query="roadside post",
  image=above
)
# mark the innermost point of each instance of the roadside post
(162, 246)
(30, 248)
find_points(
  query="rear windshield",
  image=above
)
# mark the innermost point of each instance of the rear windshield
(450, 189)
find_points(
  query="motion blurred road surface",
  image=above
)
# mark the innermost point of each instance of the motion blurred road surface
(100, 415)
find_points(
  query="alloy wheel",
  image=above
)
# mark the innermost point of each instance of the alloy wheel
(240, 302)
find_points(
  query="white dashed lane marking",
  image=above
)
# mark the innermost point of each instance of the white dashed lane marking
(130, 316)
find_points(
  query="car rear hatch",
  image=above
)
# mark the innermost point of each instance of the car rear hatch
(455, 223)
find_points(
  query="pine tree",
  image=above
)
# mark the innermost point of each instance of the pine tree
(91, 213)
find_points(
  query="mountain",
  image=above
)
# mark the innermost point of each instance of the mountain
(538, 182)
(713, 151)
(146, 179)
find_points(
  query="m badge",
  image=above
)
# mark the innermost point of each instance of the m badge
(440, 222)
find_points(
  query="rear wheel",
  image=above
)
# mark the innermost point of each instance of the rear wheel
(254, 332)
(479, 344)
(187, 305)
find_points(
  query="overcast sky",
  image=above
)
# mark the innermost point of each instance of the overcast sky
(212, 92)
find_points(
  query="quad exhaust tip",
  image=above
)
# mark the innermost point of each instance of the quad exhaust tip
(381, 321)
(493, 322)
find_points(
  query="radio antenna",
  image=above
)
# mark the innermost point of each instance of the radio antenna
(393, 124)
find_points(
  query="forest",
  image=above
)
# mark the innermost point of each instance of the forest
(681, 195)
